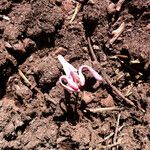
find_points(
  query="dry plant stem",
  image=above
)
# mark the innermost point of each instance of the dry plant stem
(95, 110)
(24, 77)
(110, 146)
(128, 67)
(110, 135)
(28, 82)
(119, 5)
(129, 90)
(91, 49)
(117, 33)
(121, 56)
(116, 90)
(105, 77)
(75, 12)
(116, 130)
(121, 76)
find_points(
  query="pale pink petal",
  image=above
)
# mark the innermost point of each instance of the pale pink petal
(74, 76)
(82, 78)
(70, 86)
(92, 71)
(66, 66)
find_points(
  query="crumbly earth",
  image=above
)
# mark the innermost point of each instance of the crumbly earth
(43, 116)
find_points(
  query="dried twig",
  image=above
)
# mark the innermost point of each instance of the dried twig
(116, 130)
(128, 92)
(119, 5)
(110, 135)
(117, 33)
(91, 49)
(24, 77)
(105, 77)
(121, 56)
(28, 82)
(115, 7)
(75, 12)
(110, 146)
(95, 110)
(120, 77)
(116, 90)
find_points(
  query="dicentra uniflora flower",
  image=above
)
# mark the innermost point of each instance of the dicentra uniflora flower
(74, 79)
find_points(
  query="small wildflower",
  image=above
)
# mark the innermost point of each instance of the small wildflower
(73, 78)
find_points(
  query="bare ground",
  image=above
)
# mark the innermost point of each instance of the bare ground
(44, 116)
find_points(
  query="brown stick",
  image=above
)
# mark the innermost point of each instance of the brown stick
(116, 130)
(91, 49)
(28, 82)
(119, 5)
(111, 134)
(117, 33)
(105, 77)
(116, 90)
(110, 146)
(95, 110)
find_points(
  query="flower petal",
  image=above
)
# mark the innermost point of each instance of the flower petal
(70, 86)
(68, 68)
(92, 71)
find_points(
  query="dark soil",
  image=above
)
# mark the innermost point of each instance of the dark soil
(46, 117)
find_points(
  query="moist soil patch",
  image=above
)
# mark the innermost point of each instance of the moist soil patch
(36, 112)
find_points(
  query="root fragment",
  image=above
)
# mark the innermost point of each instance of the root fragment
(78, 6)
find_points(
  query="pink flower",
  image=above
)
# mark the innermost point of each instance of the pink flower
(74, 79)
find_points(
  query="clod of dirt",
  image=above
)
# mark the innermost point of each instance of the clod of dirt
(8, 105)
(7, 64)
(87, 97)
(4, 5)
(138, 7)
(93, 15)
(107, 102)
(111, 8)
(18, 47)
(104, 129)
(11, 32)
(23, 92)
(75, 35)
(29, 44)
(46, 71)
(43, 18)
(81, 135)
(25, 46)
(148, 27)
(43, 133)
(138, 44)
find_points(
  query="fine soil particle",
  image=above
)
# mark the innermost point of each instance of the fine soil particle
(36, 111)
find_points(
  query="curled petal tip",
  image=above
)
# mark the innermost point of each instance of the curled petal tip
(91, 70)
(70, 84)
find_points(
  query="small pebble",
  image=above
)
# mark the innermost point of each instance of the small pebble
(87, 97)
(111, 8)
(19, 47)
(108, 102)
(148, 27)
